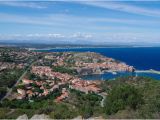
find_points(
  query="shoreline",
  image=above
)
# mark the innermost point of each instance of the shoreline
(36, 49)
(39, 49)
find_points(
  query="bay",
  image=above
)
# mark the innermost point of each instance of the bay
(142, 58)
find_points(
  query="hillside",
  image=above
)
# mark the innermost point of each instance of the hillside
(148, 105)
(129, 97)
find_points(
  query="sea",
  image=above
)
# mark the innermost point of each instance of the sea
(142, 58)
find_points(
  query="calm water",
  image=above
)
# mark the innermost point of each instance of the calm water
(107, 76)
(141, 58)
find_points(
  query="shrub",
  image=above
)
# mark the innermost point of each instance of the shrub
(121, 97)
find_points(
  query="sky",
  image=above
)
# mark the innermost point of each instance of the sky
(86, 22)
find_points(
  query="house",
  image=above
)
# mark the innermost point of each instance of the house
(26, 81)
(21, 94)
(21, 91)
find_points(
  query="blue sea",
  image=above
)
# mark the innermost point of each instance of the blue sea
(142, 58)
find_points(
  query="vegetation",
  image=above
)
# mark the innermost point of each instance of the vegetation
(2, 92)
(85, 103)
(63, 111)
(3, 112)
(42, 106)
(62, 69)
(18, 112)
(5, 57)
(132, 97)
(128, 97)
(10, 58)
(7, 79)
(121, 97)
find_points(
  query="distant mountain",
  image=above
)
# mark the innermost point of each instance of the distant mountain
(72, 43)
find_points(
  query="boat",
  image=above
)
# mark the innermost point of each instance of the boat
(114, 73)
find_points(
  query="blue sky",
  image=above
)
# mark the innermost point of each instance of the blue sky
(80, 21)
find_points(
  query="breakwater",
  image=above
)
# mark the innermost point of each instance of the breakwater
(148, 71)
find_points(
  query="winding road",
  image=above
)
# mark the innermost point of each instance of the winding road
(103, 98)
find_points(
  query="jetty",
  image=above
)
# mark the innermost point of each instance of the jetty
(148, 71)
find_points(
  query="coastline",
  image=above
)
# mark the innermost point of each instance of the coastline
(150, 71)
(39, 49)
(36, 49)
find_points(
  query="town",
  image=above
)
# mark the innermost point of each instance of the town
(57, 71)
(60, 71)
(54, 81)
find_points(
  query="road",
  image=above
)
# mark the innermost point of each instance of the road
(10, 90)
(103, 98)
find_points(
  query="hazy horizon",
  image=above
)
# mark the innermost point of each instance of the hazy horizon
(80, 22)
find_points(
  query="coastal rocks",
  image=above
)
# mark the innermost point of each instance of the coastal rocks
(40, 117)
(22, 117)
(91, 118)
(78, 118)
(35, 117)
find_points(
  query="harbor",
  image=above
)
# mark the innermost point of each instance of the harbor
(112, 75)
